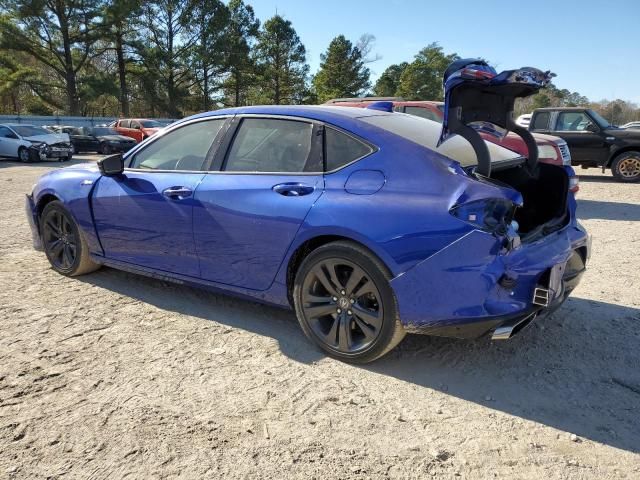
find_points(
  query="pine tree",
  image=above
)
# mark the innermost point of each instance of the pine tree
(281, 60)
(342, 71)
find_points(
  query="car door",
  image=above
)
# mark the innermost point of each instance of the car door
(585, 139)
(248, 213)
(145, 216)
(9, 142)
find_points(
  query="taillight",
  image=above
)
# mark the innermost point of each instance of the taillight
(549, 153)
(493, 215)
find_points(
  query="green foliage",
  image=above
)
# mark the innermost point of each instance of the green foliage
(422, 78)
(342, 71)
(281, 62)
(388, 83)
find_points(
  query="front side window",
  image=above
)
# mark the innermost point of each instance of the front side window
(424, 113)
(341, 149)
(271, 145)
(184, 148)
(125, 123)
(573, 122)
(6, 133)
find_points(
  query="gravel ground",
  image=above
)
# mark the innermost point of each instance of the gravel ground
(112, 375)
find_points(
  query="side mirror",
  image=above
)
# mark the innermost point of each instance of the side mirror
(112, 165)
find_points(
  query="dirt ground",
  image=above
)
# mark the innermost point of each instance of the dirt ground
(113, 375)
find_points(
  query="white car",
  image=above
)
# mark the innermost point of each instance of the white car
(31, 143)
(524, 120)
(631, 125)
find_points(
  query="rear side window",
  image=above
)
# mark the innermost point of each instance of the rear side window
(541, 121)
(424, 113)
(184, 148)
(341, 149)
(272, 145)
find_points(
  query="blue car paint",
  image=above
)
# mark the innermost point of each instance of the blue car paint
(405, 222)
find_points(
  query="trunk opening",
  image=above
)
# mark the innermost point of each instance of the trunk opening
(544, 192)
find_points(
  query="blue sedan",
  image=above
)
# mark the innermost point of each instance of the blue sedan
(354, 218)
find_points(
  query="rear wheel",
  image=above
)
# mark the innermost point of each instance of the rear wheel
(344, 303)
(63, 242)
(626, 167)
(105, 149)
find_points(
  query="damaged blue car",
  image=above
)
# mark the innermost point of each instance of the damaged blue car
(367, 222)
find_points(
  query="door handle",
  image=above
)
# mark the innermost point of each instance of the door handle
(177, 193)
(293, 189)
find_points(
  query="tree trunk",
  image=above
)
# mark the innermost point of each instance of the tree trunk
(237, 87)
(124, 94)
(70, 75)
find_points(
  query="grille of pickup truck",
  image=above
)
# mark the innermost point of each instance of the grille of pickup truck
(566, 154)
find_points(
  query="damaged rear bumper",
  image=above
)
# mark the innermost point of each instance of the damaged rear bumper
(469, 289)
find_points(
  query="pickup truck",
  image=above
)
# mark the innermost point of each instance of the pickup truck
(592, 140)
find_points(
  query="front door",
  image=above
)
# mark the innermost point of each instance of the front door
(9, 143)
(586, 141)
(145, 216)
(248, 214)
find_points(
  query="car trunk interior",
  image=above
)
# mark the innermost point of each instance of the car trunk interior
(545, 197)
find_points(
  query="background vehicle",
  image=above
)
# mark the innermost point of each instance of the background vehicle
(383, 251)
(631, 125)
(103, 140)
(552, 150)
(592, 140)
(137, 128)
(31, 143)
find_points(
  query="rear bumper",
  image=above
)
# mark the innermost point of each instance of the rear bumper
(470, 288)
(32, 218)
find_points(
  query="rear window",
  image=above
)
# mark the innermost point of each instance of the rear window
(341, 149)
(541, 121)
(426, 133)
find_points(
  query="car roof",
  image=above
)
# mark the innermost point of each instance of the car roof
(566, 109)
(340, 116)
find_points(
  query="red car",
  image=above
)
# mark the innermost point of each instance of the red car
(137, 128)
(553, 150)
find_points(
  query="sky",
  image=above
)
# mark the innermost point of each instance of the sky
(592, 45)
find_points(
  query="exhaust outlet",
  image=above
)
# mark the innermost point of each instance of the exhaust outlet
(509, 329)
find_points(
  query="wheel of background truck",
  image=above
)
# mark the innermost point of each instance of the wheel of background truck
(63, 242)
(105, 149)
(626, 167)
(73, 149)
(344, 303)
(23, 155)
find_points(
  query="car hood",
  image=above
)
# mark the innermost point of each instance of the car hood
(49, 139)
(118, 138)
(631, 134)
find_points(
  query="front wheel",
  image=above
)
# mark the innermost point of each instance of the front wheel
(63, 242)
(626, 167)
(344, 303)
(23, 155)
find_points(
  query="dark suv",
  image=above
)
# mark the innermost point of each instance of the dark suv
(592, 140)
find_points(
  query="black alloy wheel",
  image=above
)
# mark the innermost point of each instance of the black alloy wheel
(345, 304)
(60, 240)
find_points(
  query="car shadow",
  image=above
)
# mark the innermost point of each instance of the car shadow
(576, 371)
(598, 209)
(605, 178)
(10, 162)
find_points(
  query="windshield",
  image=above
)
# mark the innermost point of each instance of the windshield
(150, 124)
(104, 131)
(30, 130)
(601, 121)
(426, 133)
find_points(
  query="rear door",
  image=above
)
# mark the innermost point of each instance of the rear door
(145, 216)
(248, 213)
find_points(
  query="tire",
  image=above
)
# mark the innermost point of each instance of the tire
(23, 155)
(105, 149)
(73, 149)
(626, 167)
(63, 242)
(351, 318)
